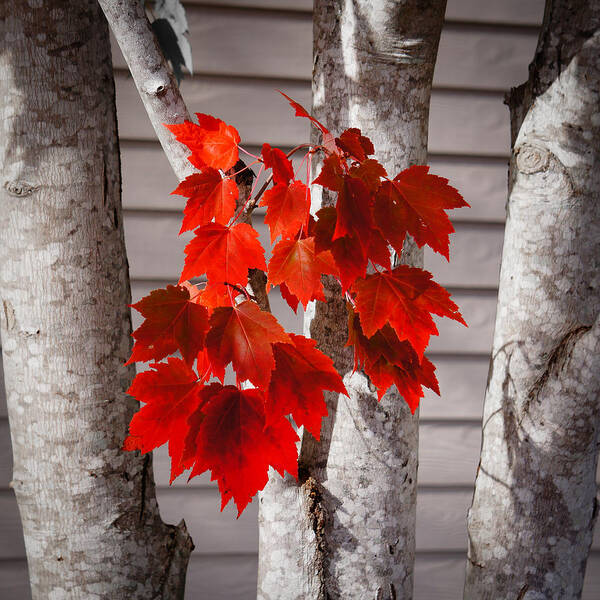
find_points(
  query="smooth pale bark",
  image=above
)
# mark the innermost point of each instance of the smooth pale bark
(348, 530)
(90, 519)
(534, 509)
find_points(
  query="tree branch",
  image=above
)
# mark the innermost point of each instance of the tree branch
(152, 76)
(163, 101)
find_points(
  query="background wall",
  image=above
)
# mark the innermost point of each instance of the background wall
(244, 50)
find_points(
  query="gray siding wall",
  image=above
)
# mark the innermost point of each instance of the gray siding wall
(244, 50)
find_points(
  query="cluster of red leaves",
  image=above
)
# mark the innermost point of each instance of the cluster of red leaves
(238, 432)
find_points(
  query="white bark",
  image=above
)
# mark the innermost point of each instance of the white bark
(90, 519)
(348, 530)
(533, 513)
(152, 76)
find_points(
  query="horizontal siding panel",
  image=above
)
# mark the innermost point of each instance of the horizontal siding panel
(213, 532)
(475, 253)
(460, 122)
(478, 308)
(222, 577)
(485, 59)
(14, 580)
(11, 534)
(482, 183)
(448, 454)
(225, 42)
(462, 382)
(156, 251)
(439, 577)
(529, 12)
(148, 181)
(503, 11)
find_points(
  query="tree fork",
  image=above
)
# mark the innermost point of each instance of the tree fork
(90, 517)
(373, 67)
(534, 508)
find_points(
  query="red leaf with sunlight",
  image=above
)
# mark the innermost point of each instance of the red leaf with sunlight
(301, 374)
(217, 294)
(209, 196)
(354, 217)
(416, 202)
(224, 253)
(206, 369)
(172, 322)
(275, 159)
(370, 173)
(405, 298)
(288, 207)
(353, 143)
(332, 173)
(212, 142)
(292, 301)
(233, 440)
(170, 393)
(350, 256)
(387, 360)
(243, 335)
(299, 266)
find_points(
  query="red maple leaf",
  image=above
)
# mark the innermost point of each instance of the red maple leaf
(387, 361)
(353, 143)
(172, 322)
(209, 196)
(171, 393)
(350, 256)
(354, 217)
(369, 172)
(292, 301)
(415, 202)
(224, 253)
(332, 173)
(299, 266)
(405, 298)
(301, 374)
(212, 142)
(287, 208)
(233, 440)
(243, 335)
(275, 159)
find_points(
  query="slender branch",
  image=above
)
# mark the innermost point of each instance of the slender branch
(152, 76)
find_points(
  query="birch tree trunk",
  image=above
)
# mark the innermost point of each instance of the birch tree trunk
(90, 519)
(534, 509)
(348, 530)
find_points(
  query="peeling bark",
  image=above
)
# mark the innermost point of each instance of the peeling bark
(534, 508)
(90, 518)
(348, 530)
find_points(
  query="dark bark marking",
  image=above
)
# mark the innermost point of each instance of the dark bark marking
(523, 592)
(143, 487)
(557, 360)
(67, 48)
(20, 189)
